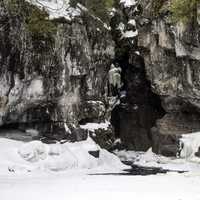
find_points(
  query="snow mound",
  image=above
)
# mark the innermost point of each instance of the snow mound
(60, 160)
(17, 156)
(109, 158)
(33, 151)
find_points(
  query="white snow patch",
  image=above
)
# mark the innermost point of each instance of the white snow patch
(132, 22)
(67, 128)
(130, 34)
(121, 27)
(137, 52)
(128, 3)
(32, 132)
(112, 12)
(57, 8)
(94, 126)
(118, 141)
(35, 89)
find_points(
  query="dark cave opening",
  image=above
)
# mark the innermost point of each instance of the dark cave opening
(86, 120)
(12, 126)
(139, 110)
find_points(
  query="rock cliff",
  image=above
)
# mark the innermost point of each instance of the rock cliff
(53, 84)
(171, 53)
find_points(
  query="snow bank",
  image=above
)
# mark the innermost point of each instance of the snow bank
(17, 156)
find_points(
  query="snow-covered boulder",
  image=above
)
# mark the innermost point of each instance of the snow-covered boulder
(33, 151)
(26, 157)
(101, 133)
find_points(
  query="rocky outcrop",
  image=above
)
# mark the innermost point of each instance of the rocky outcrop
(171, 53)
(53, 85)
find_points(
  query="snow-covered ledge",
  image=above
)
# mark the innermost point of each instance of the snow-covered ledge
(57, 8)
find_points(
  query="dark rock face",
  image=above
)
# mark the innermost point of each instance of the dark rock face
(94, 153)
(104, 138)
(53, 89)
(137, 113)
(198, 153)
(171, 54)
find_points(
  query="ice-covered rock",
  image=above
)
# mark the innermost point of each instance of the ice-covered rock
(189, 144)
